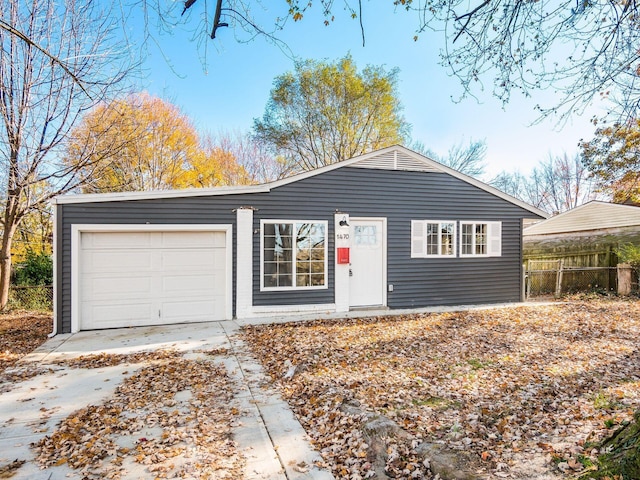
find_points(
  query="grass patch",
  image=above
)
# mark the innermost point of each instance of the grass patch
(477, 364)
(604, 401)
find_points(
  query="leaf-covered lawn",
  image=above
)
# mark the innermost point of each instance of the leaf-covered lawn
(20, 333)
(524, 392)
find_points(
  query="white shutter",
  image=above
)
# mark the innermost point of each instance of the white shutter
(494, 243)
(418, 243)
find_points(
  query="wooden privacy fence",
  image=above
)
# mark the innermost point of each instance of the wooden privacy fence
(553, 277)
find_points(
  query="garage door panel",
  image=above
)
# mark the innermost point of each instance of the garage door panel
(193, 239)
(117, 286)
(116, 261)
(190, 260)
(220, 257)
(119, 315)
(137, 240)
(151, 278)
(205, 310)
(191, 285)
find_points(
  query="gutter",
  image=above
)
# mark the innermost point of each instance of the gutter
(54, 331)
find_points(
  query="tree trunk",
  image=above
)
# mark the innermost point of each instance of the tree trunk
(10, 226)
(5, 271)
(622, 454)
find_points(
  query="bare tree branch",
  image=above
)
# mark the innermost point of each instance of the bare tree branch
(469, 17)
(584, 50)
(28, 40)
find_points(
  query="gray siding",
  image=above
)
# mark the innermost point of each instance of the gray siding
(400, 196)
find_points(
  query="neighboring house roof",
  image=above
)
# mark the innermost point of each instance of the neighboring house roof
(395, 157)
(594, 215)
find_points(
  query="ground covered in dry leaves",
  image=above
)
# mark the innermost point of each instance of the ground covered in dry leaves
(20, 333)
(519, 392)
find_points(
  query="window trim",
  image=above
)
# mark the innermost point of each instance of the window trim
(423, 239)
(494, 239)
(325, 223)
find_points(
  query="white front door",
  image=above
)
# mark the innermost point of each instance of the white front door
(368, 262)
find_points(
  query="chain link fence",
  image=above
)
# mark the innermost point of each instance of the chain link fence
(38, 297)
(541, 278)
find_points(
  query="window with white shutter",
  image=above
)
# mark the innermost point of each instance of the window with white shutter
(433, 238)
(480, 239)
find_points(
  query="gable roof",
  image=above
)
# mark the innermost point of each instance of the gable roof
(395, 157)
(594, 215)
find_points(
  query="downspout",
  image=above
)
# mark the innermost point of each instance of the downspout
(54, 331)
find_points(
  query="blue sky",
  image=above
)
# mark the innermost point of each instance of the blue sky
(233, 87)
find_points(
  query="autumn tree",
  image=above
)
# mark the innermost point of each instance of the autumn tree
(613, 157)
(323, 113)
(526, 188)
(213, 165)
(135, 143)
(57, 59)
(468, 159)
(34, 234)
(556, 185)
(141, 142)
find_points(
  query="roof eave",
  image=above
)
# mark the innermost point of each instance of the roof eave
(263, 188)
(158, 194)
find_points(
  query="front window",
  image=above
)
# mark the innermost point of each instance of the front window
(294, 255)
(433, 238)
(474, 238)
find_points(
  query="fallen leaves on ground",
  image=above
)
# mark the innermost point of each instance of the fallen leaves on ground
(101, 360)
(173, 417)
(527, 391)
(20, 373)
(8, 471)
(21, 332)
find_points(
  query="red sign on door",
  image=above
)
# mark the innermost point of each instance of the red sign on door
(343, 255)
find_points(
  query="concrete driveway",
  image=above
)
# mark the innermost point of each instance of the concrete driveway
(51, 384)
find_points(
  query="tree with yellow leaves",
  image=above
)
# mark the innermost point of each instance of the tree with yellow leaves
(213, 166)
(142, 142)
(323, 113)
(613, 157)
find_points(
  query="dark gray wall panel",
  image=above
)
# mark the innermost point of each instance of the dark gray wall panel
(401, 197)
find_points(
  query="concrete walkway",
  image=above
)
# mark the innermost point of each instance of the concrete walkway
(268, 435)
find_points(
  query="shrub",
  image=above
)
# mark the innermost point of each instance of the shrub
(37, 269)
(629, 253)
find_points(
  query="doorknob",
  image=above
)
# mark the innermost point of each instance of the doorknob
(350, 273)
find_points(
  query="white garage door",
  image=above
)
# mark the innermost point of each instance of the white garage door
(151, 278)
